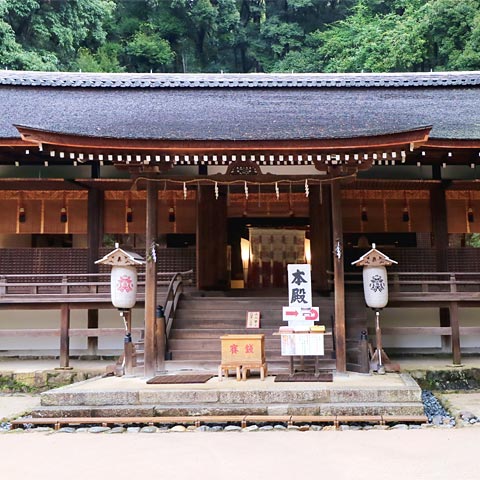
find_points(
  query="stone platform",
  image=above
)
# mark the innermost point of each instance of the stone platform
(351, 394)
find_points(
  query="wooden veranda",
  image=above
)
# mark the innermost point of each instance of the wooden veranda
(64, 292)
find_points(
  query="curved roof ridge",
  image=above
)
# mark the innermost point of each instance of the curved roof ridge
(238, 80)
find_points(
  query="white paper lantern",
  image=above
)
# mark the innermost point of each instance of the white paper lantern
(123, 278)
(375, 282)
(375, 287)
(123, 286)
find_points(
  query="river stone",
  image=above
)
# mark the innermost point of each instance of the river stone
(202, 428)
(149, 429)
(99, 429)
(251, 428)
(232, 428)
(279, 427)
(118, 430)
(304, 428)
(40, 430)
(215, 428)
(133, 429)
(266, 428)
(466, 415)
(66, 430)
(437, 420)
(178, 428)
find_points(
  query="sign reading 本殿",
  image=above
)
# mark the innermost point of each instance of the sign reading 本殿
(299, 285)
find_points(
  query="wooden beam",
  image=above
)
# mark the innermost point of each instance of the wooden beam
(339, 283)
(387, 141)
(64, 336)
(150, 280)
(414, 331)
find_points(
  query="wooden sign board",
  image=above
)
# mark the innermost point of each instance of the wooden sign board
(299, 285)
(253, 320)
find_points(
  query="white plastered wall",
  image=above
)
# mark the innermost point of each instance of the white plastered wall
(408, 317)
(27, 319)
(469, 317)
(423, 317)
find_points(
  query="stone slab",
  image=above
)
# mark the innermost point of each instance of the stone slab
(351, 394)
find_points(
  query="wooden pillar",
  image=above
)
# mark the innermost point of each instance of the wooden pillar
(128, 344)
(64, 336)
(320, 236)
(438, 209)
(94, 241)
(211, 240)
(151, 280)
(339, 284)
(454, 323)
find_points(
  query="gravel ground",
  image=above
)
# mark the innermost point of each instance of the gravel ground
(424, 454)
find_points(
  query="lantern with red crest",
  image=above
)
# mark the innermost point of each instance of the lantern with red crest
(123, 279)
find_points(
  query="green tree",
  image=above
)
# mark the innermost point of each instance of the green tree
(49, 33)
(401, 35)
(149, 50)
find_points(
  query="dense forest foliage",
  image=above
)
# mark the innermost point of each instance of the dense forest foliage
(240, 35)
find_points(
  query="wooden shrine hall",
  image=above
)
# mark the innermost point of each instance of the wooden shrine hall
(233, 177)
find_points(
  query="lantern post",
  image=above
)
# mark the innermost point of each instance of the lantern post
(123, 292)
(375, 289)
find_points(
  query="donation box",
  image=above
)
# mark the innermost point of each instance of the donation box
(243, 349)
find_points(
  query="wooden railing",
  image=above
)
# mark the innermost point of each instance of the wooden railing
(425, 286)
(71, 287)
(443, 290)
(19, 287)
(175, 289)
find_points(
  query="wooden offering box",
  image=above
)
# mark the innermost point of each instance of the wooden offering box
(244, 352)
(243, 349)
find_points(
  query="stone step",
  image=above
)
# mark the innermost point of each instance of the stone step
(356, 395)
(159, 410)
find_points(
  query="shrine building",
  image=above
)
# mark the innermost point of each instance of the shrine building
(227, 179)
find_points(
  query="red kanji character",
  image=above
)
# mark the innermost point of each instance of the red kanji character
(249, 348)
(233, 348)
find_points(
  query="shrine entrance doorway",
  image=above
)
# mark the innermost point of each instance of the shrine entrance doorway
(261, 251)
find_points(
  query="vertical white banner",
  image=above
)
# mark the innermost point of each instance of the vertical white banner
(299, 285)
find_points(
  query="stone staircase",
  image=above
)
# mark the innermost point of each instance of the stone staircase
(200, 321)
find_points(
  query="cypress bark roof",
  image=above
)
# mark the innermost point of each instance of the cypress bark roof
(241, 107)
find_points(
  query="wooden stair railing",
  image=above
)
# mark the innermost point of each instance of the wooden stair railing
(174, 290)
(172, 297)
